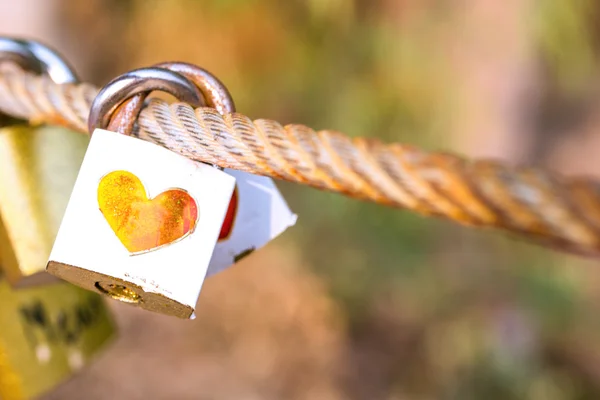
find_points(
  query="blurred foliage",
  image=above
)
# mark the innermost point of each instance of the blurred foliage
(433, 311)
(563, 31)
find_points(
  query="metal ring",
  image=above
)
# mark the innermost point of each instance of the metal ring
(214, 91)
(138, 82)
(38, 58)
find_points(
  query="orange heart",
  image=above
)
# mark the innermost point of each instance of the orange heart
(139, 222)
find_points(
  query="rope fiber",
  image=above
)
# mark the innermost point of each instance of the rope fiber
(560, 212)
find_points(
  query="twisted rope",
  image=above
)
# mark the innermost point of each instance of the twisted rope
(559, 212)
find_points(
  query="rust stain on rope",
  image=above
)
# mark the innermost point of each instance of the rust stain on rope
(560, 212)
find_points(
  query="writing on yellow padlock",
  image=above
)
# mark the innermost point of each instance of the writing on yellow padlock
(38, 169)
(46, 334)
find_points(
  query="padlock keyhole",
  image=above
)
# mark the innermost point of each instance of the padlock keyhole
(119, 292)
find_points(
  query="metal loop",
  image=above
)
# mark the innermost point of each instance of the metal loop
(38, 58)
(214, 91)
(139, 82)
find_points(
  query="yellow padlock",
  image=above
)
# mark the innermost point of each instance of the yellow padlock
(46, 334)
(38, 169)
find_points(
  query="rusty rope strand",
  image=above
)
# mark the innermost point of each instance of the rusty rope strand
(563, 213)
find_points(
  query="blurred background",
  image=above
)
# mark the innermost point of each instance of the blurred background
(360, 301)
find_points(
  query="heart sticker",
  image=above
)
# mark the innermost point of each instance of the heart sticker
(143, 224)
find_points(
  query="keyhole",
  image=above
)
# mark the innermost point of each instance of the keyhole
(119, 292)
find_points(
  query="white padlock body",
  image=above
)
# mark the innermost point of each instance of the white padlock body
(261, 215)
(87, 243)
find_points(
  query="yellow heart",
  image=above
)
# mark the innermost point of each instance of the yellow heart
(139, 222)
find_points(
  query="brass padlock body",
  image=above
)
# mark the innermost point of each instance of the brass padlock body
(46, 334)
(38, 169)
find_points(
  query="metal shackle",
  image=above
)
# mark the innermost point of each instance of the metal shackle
(138, 82)
(38, 58)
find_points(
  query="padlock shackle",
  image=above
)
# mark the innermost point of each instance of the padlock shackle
(38, 58)
(136, 83)
(215, 93)
(118, 104)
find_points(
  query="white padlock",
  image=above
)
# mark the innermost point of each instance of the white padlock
(257, 214)
(143, 221)
(141, 224)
